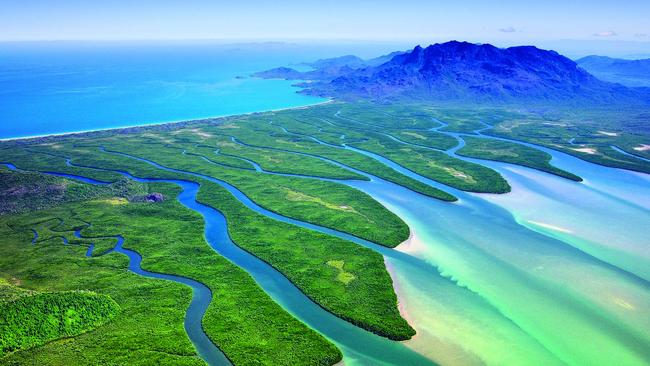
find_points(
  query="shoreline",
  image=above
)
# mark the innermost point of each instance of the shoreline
(156, 124)
(401, 297)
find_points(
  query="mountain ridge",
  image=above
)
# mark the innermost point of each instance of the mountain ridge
(632, 73)
(466, 71)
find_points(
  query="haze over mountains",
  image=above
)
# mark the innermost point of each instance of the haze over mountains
(633, 73)
(461, 71)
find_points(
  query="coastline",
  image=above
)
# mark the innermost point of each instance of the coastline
(401, 298)
(137, 127)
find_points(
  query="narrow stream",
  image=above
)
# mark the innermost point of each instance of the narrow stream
(359, 347)
(201, 298)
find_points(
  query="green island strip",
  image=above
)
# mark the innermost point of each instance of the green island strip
(30, 319)
(325, 203)
(368, 301)
(510, 152)
(270, 160)
(432, 164)
(366, 298)
(587, 134)
(272, 137)
(432, 139)
(437, 165)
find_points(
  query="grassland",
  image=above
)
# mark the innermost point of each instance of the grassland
(432, 139)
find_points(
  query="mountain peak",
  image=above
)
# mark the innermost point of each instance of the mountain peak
(457, 70)
(463, 70)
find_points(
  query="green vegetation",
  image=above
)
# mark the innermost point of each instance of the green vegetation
(350, 120)
(321, 202)
(511, 152)
(152, 311)
(342, 275)
(24, 154)
(27, 191)
(280, 161)
(29, 319)
(271, 136)
(369, 301)
(438, 166)
(295, 150)
(586, 134)
(432, 139)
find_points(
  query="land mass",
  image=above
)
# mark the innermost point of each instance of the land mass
(468, 72)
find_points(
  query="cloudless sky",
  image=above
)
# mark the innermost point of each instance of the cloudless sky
(384, 20)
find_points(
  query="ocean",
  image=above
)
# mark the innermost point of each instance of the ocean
(59, 87)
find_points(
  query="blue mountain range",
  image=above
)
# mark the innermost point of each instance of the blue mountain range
(627, 72)
(462, 71)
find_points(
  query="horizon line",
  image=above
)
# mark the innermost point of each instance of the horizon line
(299, 39)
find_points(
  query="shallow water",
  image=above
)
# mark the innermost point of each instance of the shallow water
(520, 278)
(525, 286)
(558, 289)
(488, 280)
(512, 286)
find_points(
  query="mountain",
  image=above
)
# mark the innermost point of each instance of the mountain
(326, 69)
(627, 72)
(469, 72)
(351, 61)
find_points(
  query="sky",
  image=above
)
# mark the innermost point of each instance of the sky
(308, 19)
(414, 21)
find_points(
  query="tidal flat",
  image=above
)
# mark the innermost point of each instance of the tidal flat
(373, 234)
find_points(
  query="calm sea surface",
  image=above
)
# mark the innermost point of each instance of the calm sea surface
(58, 87)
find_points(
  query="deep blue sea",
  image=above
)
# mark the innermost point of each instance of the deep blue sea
(57, 87)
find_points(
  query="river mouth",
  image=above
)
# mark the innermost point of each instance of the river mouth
(519, 265)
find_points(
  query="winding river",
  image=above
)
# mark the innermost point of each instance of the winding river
(519, 278)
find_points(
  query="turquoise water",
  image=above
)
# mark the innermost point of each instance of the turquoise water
(60, 87)
(555, 272)
(483, 285)
(556, 262)
(534, 272)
